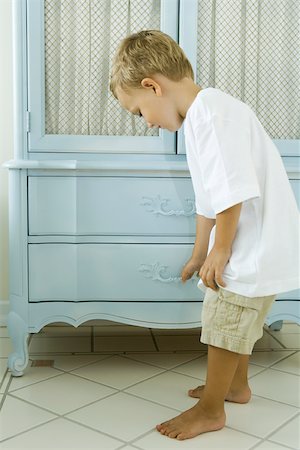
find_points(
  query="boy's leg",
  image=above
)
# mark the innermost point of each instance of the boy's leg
(239, 391)
(222, 313)
(250, 315)
(208, 414)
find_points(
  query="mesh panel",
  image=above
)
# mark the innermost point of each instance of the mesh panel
(250, 49)
(80, 39)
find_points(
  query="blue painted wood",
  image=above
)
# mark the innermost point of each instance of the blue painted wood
(111, 206)
(168, 315)
(276, 326)
(41, 142)
(18, 330)
(109, 272)
(175, 166)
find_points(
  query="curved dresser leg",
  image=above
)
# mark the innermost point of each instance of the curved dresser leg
(276, 326)
(18, 359)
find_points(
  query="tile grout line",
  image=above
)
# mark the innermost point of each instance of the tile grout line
(64, 416)
(122, 442)
(117, 391)
(154, 340)
(279, 360)
(6, 389)
(70, 372)
(276, 339)
(264, 440)
(29, 429)
(58, 375)
(282, 425)
(276, 401)
(3, 378)
(92, 339)
(160, 367)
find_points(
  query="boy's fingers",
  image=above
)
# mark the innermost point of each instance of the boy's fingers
(208, 279)
(185, 276)
(219, 279)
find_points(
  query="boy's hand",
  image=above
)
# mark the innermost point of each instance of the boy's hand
(189, 269)
(213, 268)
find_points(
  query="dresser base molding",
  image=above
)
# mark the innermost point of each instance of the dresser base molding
(166, 315)
(144, 314)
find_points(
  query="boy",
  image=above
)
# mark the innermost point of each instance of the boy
(247, 219)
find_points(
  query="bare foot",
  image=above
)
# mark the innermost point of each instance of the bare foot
(238, 396)
(192, 422)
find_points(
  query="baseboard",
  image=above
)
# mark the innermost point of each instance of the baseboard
(4, 309)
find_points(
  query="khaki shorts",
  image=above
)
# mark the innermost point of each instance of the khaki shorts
(232, 321)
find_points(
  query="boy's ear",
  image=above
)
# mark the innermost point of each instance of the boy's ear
(149, 83)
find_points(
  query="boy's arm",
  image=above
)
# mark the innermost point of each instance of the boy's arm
(203, 229)
(213, 267)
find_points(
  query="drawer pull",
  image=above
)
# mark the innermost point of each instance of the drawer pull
(158, 272)
(158, 205)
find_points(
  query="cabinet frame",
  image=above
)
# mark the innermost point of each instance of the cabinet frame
(39, 141)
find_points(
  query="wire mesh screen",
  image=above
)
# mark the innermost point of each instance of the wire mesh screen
(80, 40)
(250, 49)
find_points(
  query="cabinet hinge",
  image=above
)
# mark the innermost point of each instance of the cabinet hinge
(28, 121)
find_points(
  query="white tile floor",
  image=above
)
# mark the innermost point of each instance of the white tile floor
(110, 384)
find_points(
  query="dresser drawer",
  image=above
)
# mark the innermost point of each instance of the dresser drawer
(110, 206)
(109, 272)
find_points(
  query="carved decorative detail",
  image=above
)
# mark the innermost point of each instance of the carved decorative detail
(158, 272)
(158, 205)
(18, 359)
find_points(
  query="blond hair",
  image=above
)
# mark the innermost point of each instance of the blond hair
(144, 54)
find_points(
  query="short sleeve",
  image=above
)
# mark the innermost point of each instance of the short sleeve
(226, 163)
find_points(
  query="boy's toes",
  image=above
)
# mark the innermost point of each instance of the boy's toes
(196, 393)
(181, 436)
(173, 434)
(162, 428)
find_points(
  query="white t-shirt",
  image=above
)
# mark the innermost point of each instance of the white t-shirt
(232, 159)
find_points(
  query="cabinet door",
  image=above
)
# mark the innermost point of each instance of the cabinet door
(250, 50)
(70, 50)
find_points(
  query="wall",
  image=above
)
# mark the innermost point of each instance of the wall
(6, 143)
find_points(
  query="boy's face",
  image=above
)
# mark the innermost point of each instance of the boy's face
(158, 109)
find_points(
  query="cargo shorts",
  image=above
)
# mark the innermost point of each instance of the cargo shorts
(232, 321)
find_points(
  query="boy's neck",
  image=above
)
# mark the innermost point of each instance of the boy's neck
(182, 92)
(187, 94)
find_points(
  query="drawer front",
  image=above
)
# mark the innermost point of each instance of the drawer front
(110, 272)
(111, 206)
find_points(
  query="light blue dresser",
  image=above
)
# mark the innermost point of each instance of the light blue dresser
(100, 224)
